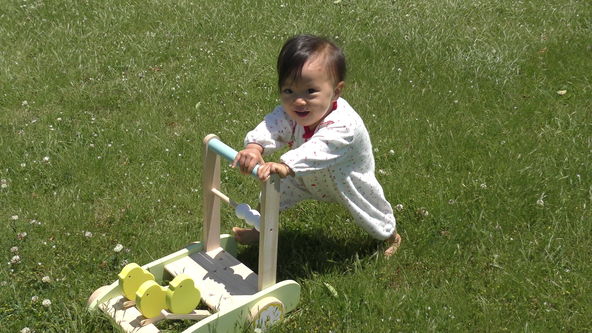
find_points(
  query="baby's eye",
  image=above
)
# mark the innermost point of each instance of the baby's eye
(311, 91)
(287, 91)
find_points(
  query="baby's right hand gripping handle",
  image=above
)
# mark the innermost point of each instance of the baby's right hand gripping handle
(224, 150)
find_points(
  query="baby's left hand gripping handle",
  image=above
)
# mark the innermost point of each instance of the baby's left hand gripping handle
(224, 150)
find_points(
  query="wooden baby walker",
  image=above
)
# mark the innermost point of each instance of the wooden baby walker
(207, 272)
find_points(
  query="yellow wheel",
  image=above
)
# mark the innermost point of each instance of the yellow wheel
(151, 299)
(182, 296)
(267, 312)
(131, 278)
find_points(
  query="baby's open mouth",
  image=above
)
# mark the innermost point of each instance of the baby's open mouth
(301, 113)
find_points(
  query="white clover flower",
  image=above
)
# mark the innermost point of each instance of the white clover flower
(483, 186)
(88, 234)
(26, 330)
(14, 249)
(118, 248)
(35, 299)
(46, 159)
(381, 171)
(46, 303)
(21, 235)
(24, 103)
(399, 207)
(14, 217)
(46, 279)
(392, 152)
(15, 260)
(423, 212)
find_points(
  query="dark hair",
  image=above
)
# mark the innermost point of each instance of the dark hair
(298, 49)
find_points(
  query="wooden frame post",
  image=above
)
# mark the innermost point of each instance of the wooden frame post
(268, 236)
(211, 203)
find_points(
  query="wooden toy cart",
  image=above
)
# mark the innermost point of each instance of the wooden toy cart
(235, 295)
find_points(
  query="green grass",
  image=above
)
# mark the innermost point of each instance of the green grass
(103, 105)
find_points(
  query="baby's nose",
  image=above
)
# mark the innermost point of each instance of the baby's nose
(300, 101)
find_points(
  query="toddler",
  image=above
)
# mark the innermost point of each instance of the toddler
(330, 156)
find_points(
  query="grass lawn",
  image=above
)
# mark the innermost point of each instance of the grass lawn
(479, 112)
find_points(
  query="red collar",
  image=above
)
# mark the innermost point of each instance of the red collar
(309, 132)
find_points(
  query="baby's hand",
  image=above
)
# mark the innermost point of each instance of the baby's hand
(268, 168)
(248, 158)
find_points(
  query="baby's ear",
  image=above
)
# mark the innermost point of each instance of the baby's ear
(338, 88)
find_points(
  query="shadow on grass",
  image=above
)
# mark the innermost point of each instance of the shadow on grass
(303, 254)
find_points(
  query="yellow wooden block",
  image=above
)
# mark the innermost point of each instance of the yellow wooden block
(130, 279)
(150, 299)
(182, 294)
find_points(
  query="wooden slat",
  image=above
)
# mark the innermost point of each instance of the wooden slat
(211, 203)
(221, 278)
(268, 237)
(128, 319)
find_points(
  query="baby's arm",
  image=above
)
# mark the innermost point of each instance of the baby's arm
(248, 158)
(270, 135)
(273, 133)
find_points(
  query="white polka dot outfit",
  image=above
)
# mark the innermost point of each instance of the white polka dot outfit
(334, 164)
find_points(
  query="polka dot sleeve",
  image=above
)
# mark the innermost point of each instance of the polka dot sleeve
(273, 133)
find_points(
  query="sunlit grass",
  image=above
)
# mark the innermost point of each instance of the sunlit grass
(479, 114)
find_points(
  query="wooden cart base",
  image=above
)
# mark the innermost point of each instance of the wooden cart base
(229, 289)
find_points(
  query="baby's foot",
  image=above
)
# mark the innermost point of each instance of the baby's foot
(394, 242)
(246, 236)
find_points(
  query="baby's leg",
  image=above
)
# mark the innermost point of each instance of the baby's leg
(393, 243)
(292, 191)
(246, 236)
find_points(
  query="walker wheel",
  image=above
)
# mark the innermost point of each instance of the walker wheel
(267, 312)
(96, 294)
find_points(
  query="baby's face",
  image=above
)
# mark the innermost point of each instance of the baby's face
(309, 98)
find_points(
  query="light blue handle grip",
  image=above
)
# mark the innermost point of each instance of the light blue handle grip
(225, 151)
